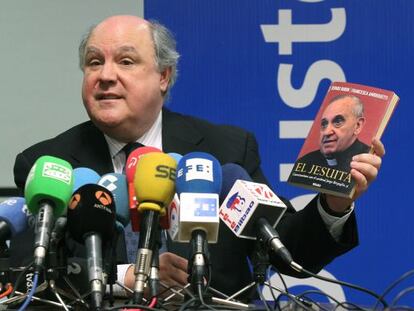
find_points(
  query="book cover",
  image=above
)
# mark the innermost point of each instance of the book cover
(349, 117)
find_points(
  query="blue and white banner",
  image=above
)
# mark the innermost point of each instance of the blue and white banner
(266, 65)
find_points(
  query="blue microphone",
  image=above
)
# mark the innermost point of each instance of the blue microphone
(117, 184)
(176, 156)
(13, 217)
(198, 185)
(83, 176)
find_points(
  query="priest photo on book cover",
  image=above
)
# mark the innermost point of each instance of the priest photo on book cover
(341, 123)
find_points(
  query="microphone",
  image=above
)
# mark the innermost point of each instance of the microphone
(154, 184)
(251, 210)
(173, 219)
(117, 184)
(13, 217)
(198, 185)
(130, 168)
(173, 208)
(91, 220)
(83, 176)
(176, 156)
(13, 220)
(48, 189)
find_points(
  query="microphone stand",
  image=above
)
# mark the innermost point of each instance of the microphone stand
(110, 263)
(147, 240)
(57, 264)
(154, 279)
(4, 264)
(198, 261)
(260, 262)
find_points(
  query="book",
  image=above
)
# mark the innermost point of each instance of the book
(349, 117)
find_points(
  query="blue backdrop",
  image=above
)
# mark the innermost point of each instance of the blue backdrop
(258, 64)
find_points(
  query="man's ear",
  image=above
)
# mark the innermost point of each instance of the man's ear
(165, 79)
(359, 125)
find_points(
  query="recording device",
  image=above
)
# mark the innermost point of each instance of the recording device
(130, 169)
(91, 221)
(251, 210)
(154, 184)
(83, 176)
(13, 217)
(48, 189)
(198, 185)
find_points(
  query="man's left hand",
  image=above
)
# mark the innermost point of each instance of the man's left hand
(364, 170)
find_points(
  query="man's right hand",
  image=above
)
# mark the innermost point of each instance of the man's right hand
(173, 271)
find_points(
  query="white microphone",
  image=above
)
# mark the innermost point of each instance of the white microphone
(246, 202)
(252, 210)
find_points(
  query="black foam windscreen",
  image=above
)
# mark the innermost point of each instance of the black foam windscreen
(91, 209)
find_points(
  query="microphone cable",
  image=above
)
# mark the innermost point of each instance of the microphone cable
(399, 296)
(299, 268)
(393, 285)
(338, 303)
(271, 288)
(290, 296)
(269, 236)
(9, 289)
(19, 278)
(262, 298)
(31, 293)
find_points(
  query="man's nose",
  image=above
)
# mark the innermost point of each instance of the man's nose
(328, 130)
(108, 74)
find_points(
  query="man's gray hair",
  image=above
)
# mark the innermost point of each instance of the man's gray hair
(166, 54)
(357, 109)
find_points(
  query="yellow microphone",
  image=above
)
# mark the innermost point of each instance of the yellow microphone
(154, 184)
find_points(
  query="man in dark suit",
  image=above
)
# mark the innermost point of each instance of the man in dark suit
(129, 65)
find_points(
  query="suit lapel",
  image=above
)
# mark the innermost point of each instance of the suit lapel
(91, 150)
(179, 135)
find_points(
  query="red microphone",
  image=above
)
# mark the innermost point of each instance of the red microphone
(130, 168)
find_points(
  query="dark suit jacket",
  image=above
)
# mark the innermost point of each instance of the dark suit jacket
(303, 233)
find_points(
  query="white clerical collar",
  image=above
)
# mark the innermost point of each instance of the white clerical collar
(332, 162)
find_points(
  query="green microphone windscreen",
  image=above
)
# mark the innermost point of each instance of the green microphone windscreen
(50, 179)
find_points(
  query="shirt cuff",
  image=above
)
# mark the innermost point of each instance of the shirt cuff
(334, 224)
(118, 291)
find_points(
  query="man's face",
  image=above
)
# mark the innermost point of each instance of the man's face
(122, 88)
(339, 126)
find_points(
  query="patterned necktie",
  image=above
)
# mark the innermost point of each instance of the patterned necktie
(131, 237)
